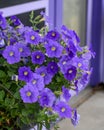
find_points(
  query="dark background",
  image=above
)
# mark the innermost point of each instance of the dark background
(24, 17)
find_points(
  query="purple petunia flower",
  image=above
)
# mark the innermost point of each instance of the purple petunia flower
(53, 35)
(75, 118)
(87, 55)
(65, 93)
(64, 62)
(93, 53)
(43, 72)
(71, 49)
(23, 29)
(47, 98)
(70, 73)
(15, 20)
(80, 63)
(3, 23)
(37, 81)
(1, 35)
(37, 57)
(63, 110)
(2, 43)
(25, 74)
(12, 54)
(32, 37)
(84, 79)
(69, 35)
(46, 18)
(12, 41)
(52, 68)
(29, 94)
(23, 49)
(53, 49)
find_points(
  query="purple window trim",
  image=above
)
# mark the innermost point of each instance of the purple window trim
(22, 8)
(55, 13)
(102, 46)
(59, 13)
(89, 21)
(96, 40)
(52, 13)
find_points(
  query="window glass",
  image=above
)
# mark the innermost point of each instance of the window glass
(24, 17)
(75, 17)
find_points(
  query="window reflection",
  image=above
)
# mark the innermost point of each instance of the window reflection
(75, 16)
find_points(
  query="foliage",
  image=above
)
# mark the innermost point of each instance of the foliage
(39, 70)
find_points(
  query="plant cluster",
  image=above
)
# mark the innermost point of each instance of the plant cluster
(39, 71)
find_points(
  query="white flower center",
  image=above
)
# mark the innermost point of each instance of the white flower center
(70, 71)
(64, 62)
(37, 56)
(34, 81)
(53, 34)
(52, 67)
(14, 20)
(42, 74)
(21, 49)
(53, 48)
(11, 53)
(25, 73)
(63, 109)
(79, 64)
(28, 94)
(32, 37)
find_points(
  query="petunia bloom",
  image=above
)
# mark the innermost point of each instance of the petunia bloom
(23, 49)
(12, 41)
(53, 35)
(37, 57)
(25, 74)
(70, 73)
(46, 98)
(75, 118)
(63, 110)
(65, 93)
(29, 94)
(64, 61)
(52, 68)
(37, 81)
(80, 63)
(12, 54)
(53, 49)
(3, 23)
(70, 35)
(15, 20)
(43, 72)
(32, 37)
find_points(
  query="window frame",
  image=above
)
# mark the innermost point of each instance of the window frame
(23, 8)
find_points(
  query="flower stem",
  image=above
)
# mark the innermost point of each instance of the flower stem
(39, 126)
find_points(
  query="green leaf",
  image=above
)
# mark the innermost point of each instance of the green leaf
(25, 120)
(12, 102)
(8, 85)
(13, 112)
(2, 95)
(2, 74)
(17, 95)
(24, 112)
(10, 73)
(38, 18)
